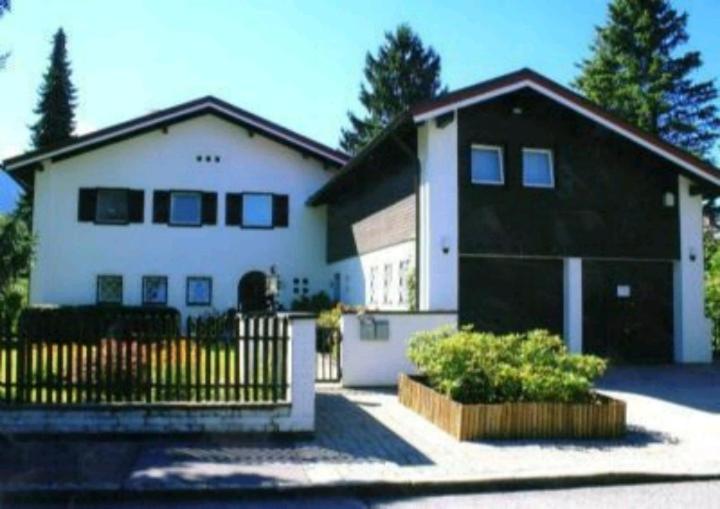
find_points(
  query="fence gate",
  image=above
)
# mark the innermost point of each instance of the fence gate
(328, 354)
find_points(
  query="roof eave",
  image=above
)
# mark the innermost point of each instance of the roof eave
(321, 195)
(161, 118)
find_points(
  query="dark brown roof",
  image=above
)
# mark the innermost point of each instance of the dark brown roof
(172, 115)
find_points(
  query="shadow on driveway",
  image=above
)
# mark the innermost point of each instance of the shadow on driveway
(696, 386)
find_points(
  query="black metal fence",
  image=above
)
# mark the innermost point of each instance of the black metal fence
(328, 355)
(229, 359)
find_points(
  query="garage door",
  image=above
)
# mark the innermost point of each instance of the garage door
(628, 310)
(510, 295)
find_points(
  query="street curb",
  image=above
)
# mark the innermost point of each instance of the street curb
(383, 489)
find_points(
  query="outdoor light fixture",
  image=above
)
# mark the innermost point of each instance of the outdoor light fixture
(669, 199)
(517, 110)
(445, 245)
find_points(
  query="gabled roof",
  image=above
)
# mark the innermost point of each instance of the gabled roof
(512, 82)
(527, 78)
(166, 117)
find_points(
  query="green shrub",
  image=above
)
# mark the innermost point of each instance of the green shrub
(477, 367)
(96, 322)
(315, 303)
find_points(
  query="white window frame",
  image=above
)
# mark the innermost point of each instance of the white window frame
(172, 221)
(551, 158)
(501, 153)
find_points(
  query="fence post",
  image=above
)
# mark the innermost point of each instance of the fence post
(302, 373)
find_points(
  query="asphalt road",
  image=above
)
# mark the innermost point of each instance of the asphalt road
(698, 495)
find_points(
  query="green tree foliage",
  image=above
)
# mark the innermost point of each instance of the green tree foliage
(56, 105)
(712, 285)
(16, 250)
(637, 71)
(4, 7)
(402, 73)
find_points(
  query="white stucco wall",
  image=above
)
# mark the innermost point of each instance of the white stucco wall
(379, 362)
(437, 151)
(355, 277)
(692, 328)
(71, 254)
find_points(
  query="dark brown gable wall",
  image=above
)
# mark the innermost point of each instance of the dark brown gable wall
(608, 195)
(377, 212)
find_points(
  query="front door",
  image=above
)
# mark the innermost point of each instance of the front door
(252, 293)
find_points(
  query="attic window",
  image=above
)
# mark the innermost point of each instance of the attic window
(486, 165)
(185, 208)
(111, 206)
(538, 168)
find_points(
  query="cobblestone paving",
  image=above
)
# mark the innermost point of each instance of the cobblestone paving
(367, 436)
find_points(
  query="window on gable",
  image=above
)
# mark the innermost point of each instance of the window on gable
(111, 206)
(185, 208)
(486, 165)
(109, 290)
(257, 210)
(154, 290)
(538, 168)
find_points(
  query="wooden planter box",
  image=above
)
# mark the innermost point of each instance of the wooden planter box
(513, 420)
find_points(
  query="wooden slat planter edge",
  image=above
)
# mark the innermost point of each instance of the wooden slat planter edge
(514, 420)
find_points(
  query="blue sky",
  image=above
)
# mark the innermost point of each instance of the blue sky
(296, 63)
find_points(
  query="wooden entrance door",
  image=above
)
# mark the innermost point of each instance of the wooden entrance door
(252, 297)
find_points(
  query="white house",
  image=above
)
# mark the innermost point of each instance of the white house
(513, 203)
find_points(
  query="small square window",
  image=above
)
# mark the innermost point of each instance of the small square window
(199, 291)
(109, 290)
(486, 165)
(154, 290)
(538, 168)
(185, 208)
(111, 206)
(257, 210)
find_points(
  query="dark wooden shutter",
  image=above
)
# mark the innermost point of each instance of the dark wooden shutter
(87, 203)
(161, 206)
(233, 209)
(136, 206)
(280, 210)
(209, 208)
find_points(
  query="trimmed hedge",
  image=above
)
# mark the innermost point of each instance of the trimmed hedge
(91, 323)
(475, 367)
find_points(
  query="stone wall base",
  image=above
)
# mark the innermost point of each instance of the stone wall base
(153, 420)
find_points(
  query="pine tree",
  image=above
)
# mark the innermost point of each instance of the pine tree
(402, 73)
(4, 7)
(57, 99)
(636, 72)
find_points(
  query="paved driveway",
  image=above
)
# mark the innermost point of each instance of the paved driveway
(367, 436)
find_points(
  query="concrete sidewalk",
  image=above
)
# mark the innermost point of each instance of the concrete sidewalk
(367, 437)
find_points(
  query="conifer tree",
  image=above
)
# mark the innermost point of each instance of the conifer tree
(637, 71)
(56, 104)
(403, 72)
(4, 7)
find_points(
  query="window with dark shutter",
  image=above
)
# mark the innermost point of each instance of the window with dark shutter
(87, 202)
(280, 210)
(209, 208)
(161, 206)
(136, 206)
(233, 209)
